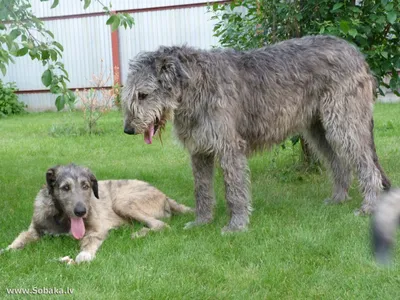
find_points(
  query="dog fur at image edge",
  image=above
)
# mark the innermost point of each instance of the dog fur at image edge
(384, 224)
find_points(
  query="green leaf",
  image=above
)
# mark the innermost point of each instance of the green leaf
(58, 45)
(2, 26)
(71, 95)
(384, 54)
(14, 34)
(391, 17)
(355, 9)
(111, 19)
(45, 54)
(22, 51)
(49, 33)
(47, 78)
(344, 26)
(129, 19)
(34, 54)
(389, 7)
(353, 32)
(60, 102)
(337, 6)
(87, 3)
(55, 89)
(55, 3)
(3, 69)
(397, 63)
(115, 24)
(53, 54)
(381, 20)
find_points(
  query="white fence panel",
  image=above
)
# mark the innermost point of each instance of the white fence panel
(72, 7)
(190, 26)
(87, 41)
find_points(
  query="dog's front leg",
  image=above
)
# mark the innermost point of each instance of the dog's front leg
(89, 245)
(24, 238)
(203, 172)
(237, 189)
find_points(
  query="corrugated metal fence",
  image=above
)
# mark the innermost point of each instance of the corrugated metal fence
(88, 45)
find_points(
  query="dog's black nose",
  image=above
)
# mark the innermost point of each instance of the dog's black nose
(129, 130)
(80, 210)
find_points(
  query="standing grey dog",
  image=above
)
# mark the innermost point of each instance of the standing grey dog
(385, 222)
(227, 104)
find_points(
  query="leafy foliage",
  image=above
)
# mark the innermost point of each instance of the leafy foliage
(22, 33)
(374, 26)
(9, 103)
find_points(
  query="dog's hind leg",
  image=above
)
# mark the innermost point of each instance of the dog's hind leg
(133, 212)
(152, 224)
(24, 238)
(385, 180)
(178, 208)
(349, 134)
(341, 170)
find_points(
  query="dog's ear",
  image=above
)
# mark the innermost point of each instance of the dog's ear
(95, 186)
(170, 71)
(51, 176)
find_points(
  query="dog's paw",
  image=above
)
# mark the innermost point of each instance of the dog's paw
(188, 210)
(159, 225)
(365, 210)
(337, 199)
(84, 256)
(228, 229)
(196, 223)
(66, 260)
(141, 233)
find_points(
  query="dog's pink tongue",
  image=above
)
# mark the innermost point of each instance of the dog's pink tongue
(148, 135)
(77, 228)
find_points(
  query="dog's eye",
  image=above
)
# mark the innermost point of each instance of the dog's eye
(65, 188)
(142, 96)
(85, 186)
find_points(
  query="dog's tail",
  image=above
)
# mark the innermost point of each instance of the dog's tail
(385, 180)
(384, 225)
(177, 208)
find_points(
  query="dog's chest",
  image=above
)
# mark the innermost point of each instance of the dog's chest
(194, 135)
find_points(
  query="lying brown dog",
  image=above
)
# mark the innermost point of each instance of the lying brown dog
(68, 204)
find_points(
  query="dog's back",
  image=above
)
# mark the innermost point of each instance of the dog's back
(385, 223)
(132, 194)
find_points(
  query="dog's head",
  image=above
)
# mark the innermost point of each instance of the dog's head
(152, 91)
(71, 188)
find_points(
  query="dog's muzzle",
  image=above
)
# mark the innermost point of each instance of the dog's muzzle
(129, 130)
(80, 210)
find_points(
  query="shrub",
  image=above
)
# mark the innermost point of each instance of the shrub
(97, 101)
(9, 103)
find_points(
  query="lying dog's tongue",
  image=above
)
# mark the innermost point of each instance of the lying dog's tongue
(148, 134)
(77, 228)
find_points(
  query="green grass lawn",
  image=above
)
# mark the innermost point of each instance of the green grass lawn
(296, 247)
